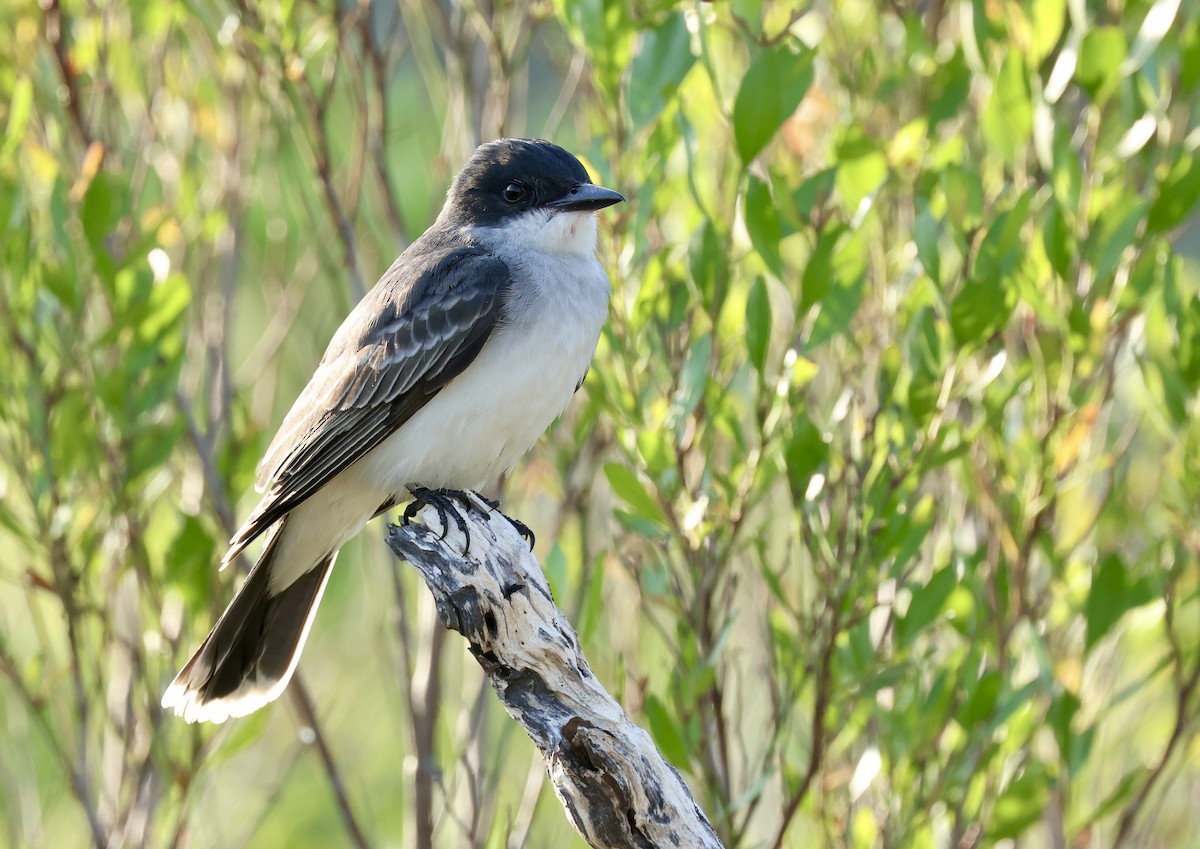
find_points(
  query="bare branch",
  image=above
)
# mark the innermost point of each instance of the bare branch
(617, 789)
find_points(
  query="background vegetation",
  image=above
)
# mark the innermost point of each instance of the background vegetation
(879, 507)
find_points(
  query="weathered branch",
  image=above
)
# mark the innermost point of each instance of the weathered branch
(617, 789)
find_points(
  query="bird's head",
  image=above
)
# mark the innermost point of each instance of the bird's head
(528, 193)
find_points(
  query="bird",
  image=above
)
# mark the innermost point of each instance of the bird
(446, 372)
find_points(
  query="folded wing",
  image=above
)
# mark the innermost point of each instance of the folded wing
(417, 330)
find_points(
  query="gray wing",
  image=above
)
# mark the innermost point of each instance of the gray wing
(413, 333)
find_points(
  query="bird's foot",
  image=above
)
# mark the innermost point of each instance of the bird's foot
(443, 501)
(521, 528)
(446, 501)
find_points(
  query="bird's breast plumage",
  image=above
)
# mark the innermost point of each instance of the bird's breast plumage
(483, 421)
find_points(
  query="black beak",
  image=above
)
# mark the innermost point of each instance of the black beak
(586, 197)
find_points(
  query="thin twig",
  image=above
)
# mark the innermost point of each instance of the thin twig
(36, 708)
(378, 140)
(56, 23)
(422, 709)
(565, 95)
(304, 707)
(816, 753)
(1183, 718)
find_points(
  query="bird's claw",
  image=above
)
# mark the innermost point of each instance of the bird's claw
(441, 500)
(521, 528)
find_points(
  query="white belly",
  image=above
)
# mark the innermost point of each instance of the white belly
(479, 425)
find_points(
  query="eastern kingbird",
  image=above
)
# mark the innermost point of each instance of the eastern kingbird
(448, 371)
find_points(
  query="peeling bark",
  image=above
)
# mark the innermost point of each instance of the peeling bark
(615, 786)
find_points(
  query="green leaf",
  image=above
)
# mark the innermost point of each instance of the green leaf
(1067, 177)
(165, 306)
(762, 223)
(1110, 598)
(1007, 119)
(666, 731)
(813, 194)
(629, 488)
(963, 190)
(593, 600)
(806, 451)
(656, 450)
(1189, 65)
(192, 558)
(927, 603)
(983, 306)
(20, 106)
(1048, 19)
(904, 533)
(1022, 803)
(750, 11)
(555, 569)
(925, 235)
(658, 69)
(1177, 195)
(1058, 241)
(804, 371)
(1114, 231)
(1061, 716)
(1003, 247)
(772, 88)
(978, 310)
(693, 378)
(151, 447)
(708, 263)
(64, 285)
(862, 167)
(100, 212)
(948, 90)
(603, 30)
(1100, 58)
(1187, 323)
(839, 305)
(926, 353)
(818, 271)
(982, 699)
(655, 578)
(758, 323)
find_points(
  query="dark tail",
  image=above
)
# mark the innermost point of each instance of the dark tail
(253, 649)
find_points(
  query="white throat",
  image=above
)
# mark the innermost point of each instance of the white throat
(543, 231)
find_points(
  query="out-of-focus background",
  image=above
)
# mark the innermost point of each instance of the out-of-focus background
(880, 507)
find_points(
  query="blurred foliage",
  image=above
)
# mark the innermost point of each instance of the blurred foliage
(880, 505)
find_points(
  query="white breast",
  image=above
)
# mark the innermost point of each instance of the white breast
(480, 424)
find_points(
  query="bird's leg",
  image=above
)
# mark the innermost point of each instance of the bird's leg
(521, 528)
(443, 502)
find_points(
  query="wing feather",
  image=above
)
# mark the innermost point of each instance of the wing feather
(412, 334)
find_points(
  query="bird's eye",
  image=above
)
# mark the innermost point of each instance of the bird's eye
(513, 192)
